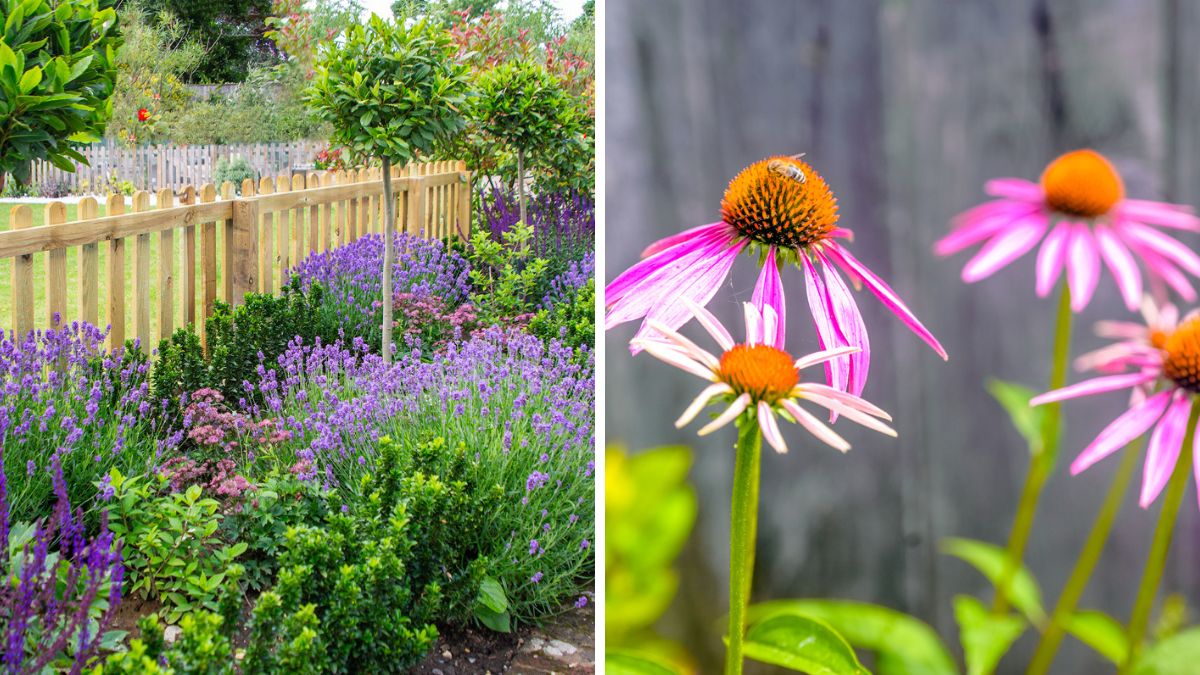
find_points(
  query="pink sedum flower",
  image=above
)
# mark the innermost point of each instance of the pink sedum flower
(1080, 216)
(782, 209)
(1160, 363)
(760, 377)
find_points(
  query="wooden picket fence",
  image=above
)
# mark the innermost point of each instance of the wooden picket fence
(154, 167)
(212, 245)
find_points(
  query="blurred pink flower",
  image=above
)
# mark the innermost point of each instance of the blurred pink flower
(1079, 214)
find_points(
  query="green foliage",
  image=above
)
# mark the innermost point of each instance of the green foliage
(633, 662)
(268, 106)
(232, 32)
(142, 656)
(172, 552)
(985, 636)
(1176, 655)
(505, 274)
(991, 560)
(801, 643)
(573, 322)
(283, 640)
(279, 502)
(264, 324)
(390, 91)
(233, 170)
(1101, 632)
(901, 643)
(1028, 420)
(57, 74)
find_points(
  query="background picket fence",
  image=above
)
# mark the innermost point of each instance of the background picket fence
(212, 245)
(154, 167)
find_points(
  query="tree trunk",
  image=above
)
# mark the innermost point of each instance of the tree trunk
(521, 183)
(389, 230)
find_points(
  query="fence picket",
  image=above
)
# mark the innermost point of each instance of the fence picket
(89, 267)
(56, 273)
(115, 206)
(314, 236)
(22, 275)
(166, 270)
(141, 275)
(208, 264)
(189, 262)
(297, 222)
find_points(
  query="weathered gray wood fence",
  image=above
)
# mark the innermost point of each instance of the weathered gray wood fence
(906, 107)
(155, 167)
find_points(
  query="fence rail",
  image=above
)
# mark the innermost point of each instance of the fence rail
(222, 245)
(154, 167)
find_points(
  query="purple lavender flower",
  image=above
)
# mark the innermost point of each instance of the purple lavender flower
(536, 578)
(581, 602)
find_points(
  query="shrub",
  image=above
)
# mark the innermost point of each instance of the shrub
(174, 553)
(62, 397)
(576, 275)
(234, 170)
(505, 274)
(572, 321)
(54, 188)
(520, 408)
(564, 224)
(17, 190)
(56, 606)
(425, 271)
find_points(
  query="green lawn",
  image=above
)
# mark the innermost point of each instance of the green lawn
(41, 314)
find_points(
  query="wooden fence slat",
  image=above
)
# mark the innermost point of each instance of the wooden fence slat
(314, 236)
(266, 252)
(297, 223)
(189, 262)
(166, 270)
(464, 204)
(115, 206)
(141, 275)
(56, 272)
(89, 268)
(208, 264)
(228, 193)
(242, 263)
(21, 217)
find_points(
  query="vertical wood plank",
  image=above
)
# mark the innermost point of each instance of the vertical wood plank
(266, 241)
(327, 219)
(242, 264)
(20, 218)
(283, 259)
(298, 222)
(415, 221)
(314, 235)
(351, 206)
(208, 265)
(141, 275)
(115, 206)
(463, 226)
(56, 273)
(89, 268)
(189, 272)
(166, 270)
(228, 193)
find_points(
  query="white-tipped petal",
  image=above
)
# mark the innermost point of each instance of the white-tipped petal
(846, 398)
(754, 324)
(770, 325)
(705, 397)
(675, 357)
(815, 426)
(770, 427)
(687, 345)
(817, 358)
(709, 322)
(852, 414)
(736, 408)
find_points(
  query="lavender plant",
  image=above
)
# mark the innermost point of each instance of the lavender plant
(56, 606)
(62, 398)
(564, 223)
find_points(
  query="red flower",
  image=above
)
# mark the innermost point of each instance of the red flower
(143, 114)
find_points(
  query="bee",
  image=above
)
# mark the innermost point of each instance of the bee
(787, 169)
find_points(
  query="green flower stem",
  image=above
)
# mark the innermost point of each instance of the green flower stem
(1042, 464)
(743, 530)
(1080, 575)
(1163, 532)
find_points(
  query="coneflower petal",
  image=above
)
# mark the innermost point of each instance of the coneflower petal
(1098, 385)
(705, 397)
(1163, 450)
(768, 292)
(1051, 257)
(674, 358)
(815, 426)
(851, 414)
(1014, 188)
(1083, 265)
(850, 324)
(1017, 240)
(1121, 263)
(685, 236)
(851, 400)
(770, 427)
(837, 371)
(710, 323)
(886, 295)
(1165, 245)
(1161, 269)
(736, 408)
(1165, 215)
(974, 226)
(817, 358)
(1131, 424)
(665, 264)
(687, 345)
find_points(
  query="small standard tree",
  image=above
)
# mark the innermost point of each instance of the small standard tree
(57, 74)
(390, 93)
(526, 108)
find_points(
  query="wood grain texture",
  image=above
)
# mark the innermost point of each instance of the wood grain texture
(906, 107)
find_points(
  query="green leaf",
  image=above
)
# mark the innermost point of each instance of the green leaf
(1100, 632)
(985, 638)
(491, 595)
(1029, 421)
(803, 644)
(30, 80)
(1176, 655)
(628, 662)
(990, 560)
(500, 622)
(909, 644)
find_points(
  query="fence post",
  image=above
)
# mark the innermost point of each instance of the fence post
(56, 277)
(115, 206)
(415, 220)
(89, 268)
(166, 269)
(242, 262)
(141, 275)
(464, 203)
(22, 276)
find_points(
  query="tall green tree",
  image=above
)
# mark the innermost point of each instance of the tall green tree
(57, 75)
(392, 93)
(232, 31)
(526, 108)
